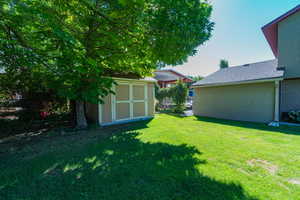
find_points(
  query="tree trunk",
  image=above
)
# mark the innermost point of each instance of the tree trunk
(73, 118)
(80, 115)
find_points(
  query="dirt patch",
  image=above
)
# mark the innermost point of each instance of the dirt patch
(294, 181)
(271, 168)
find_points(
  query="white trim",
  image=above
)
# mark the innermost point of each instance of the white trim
(146, 99)
(277, 96)
(134, 80)
(113, 105)
(153, 90)
(238, 83)
(131, 101)
(100, 113)
(138, 101)
(123, 101)
(122, 83)
(127, 121)
(123, 119)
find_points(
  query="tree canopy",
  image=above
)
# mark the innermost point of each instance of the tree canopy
(74, 47)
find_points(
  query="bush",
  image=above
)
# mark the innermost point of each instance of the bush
(295, 116)
(179, 94)
(160, 95)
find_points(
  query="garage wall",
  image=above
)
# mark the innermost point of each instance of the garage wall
(290, 95)
(246, 102)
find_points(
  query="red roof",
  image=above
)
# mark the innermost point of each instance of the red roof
(271, 30)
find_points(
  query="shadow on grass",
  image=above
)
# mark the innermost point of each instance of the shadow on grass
(120, 167)
(12, 127)
(259, 126)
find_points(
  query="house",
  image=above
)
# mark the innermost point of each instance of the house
(258, 92)
(169, 77)
(133, 100)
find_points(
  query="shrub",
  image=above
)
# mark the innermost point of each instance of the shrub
(161, 94)
(179, 94)
(295, 115)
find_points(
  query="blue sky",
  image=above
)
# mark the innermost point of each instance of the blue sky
(237, 36)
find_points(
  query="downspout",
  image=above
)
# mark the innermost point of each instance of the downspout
(275, 123)
(277, 102)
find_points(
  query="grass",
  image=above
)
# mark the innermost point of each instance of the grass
(169, 157)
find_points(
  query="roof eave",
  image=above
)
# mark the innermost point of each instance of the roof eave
(271, 34)
(271, 29)
(137, 80)
(280, 78)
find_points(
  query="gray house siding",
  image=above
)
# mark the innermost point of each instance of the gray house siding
(290, 95)
(289, 45)
(289, 57)
(246, 102)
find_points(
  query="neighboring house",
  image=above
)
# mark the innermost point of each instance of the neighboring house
(133, 100)
(169, 77)
(262, 91)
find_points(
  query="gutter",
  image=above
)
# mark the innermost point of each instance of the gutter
(137, 80)
(239, 82)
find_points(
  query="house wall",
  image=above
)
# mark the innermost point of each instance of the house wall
(290, 95)
(247, 102)
(289, 45)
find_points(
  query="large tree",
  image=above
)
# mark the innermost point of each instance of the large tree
(76, 46)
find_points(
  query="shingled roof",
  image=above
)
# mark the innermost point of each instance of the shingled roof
(245, 73)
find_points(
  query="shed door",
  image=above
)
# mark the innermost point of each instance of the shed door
(122, 102)
(130, 101)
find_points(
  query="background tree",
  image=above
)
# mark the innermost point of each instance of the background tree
(74, 47)
(223, 64)
(196, 78)
(179, 94)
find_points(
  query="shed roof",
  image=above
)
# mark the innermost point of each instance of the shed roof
(250, 72)
(145, 79)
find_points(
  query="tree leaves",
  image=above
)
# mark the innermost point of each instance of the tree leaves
(76, 46)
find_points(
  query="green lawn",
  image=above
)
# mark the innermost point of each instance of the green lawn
(167, 158)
